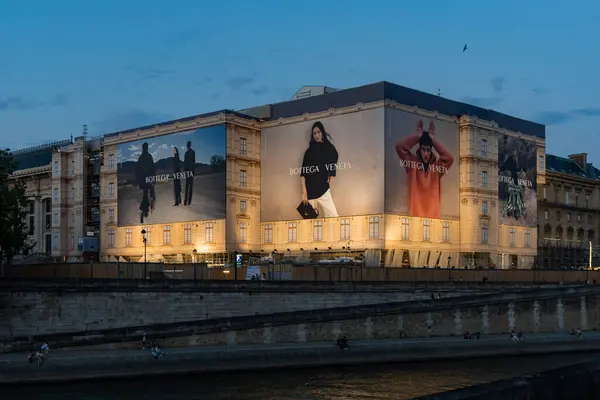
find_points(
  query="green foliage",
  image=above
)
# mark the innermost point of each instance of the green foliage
(13, 211)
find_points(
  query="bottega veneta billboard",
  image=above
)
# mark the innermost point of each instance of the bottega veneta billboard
(421, 166)
(517, 183)
(323, 168)
(173, 178)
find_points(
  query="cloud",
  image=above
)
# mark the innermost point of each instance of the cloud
(128, 119)
(238, 83)
(484, 102)
(498, 84)
(20, 103)
(560, 117)
(259, 91)
(144, 73)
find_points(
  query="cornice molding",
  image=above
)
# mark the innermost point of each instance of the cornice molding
(32, 171)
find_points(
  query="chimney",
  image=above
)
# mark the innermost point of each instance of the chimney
(580, 159)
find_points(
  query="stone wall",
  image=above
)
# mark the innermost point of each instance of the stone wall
(29, 313)
(558, 315)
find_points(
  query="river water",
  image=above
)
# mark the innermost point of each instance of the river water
(372, 382)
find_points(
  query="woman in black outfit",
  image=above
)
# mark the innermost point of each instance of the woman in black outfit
(176, 179)
(318, 170)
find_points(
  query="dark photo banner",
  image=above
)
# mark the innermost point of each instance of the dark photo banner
(517, 181)
(172, 178)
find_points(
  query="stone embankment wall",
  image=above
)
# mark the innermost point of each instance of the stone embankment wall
(554, 315)
(25, 313)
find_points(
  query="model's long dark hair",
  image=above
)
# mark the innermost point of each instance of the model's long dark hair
(177, 153)
(327, 139)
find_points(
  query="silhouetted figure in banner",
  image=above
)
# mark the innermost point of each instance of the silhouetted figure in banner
(189, 165)
(145, 172)
(176, 178)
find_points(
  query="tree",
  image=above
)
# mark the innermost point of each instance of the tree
(13, 211)
(217, 163)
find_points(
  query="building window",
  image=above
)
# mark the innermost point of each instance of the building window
(268, 233)
(484, 179)
(111, 189)
(558, 215)
(512, 234)
(587, 200)
(544, 192)
(71, 240)
(484, 147)
(55, 194)
(111, 161)
(187, 234)
(167, 234)
(546, 216)
(568, 217)
(484, 233)
(426, 230)
(528, 238)
(55, 220)
(111, 215)
(243, 178)
(72, 167)
(405, 228)
(578, 217)
(292, 232)
(318, 231)
(55, 169)
(128, 237)
(73, 193)
(589, 217)
(31, 218)
(541, 163)
(111, 238)
(445, 231)
(208, 232)
(345, 229)
(55, 241)
(484, 207)
(243, 206)
(373, 227)
(72, 218)
(567, 196)
(243, 236)
(243, 146)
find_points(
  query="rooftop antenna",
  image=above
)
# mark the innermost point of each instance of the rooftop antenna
(71, 138)
(84, 131)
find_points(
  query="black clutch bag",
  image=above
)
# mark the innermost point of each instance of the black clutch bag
(307, 211)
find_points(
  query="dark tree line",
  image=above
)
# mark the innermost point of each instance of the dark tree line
(13, 211)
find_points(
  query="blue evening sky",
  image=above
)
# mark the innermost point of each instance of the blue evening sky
(206, 142)
(115, 65)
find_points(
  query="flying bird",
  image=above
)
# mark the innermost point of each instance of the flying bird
(465, 48)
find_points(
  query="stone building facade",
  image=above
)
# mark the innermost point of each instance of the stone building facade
(569, 206)
(81, 180)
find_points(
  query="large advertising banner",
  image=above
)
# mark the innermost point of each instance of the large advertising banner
(330, 167)
(173, 178)
(517, 184)
(421, 166)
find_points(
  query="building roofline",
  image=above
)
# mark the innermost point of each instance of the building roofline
(58, 143)
(185, 119)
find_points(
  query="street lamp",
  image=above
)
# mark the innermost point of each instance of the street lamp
(145, 245)
(195, 252)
